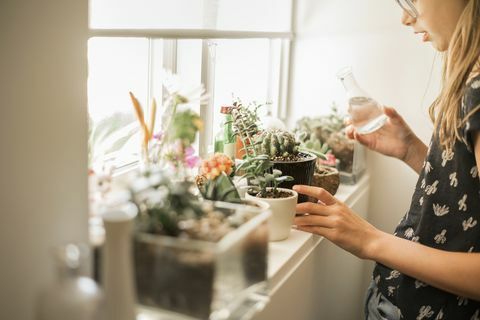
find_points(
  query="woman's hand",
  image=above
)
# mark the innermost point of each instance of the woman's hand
(394, 139)
(335, 221)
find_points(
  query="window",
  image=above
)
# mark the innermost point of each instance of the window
(235, 48)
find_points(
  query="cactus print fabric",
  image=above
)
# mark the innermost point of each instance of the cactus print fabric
(444, 214)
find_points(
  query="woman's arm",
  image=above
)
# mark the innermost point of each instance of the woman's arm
(458, 273)
(455, 272)
(416, 154)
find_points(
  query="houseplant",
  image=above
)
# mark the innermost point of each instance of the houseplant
(192, 257)
(246, 124)
(170, 146)
(330, 129)
(283, 150)
(326, 174)
(264, 186)
(214, 182)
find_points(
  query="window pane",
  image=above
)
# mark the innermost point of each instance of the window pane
(189, 63)
(189, 69)
(117, 66)
(242, 69)
(245, 15)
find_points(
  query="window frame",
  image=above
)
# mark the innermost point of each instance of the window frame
(280, 73)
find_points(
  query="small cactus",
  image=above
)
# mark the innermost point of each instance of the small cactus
(276, 143)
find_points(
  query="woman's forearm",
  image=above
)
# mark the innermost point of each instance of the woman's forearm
(416, 154)
(454, 272)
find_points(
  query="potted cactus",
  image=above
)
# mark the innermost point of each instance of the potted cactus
(284, 151)
(214, 182)
(192, 257)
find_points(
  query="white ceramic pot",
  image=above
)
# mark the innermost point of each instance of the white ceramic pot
(283, 213)
(258, 202)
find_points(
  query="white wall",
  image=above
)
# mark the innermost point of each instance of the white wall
(389, 62)
(43, 148)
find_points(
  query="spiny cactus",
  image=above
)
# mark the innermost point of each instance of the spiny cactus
(276, 143)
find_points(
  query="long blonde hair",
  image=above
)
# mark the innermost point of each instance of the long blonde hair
(461, 59)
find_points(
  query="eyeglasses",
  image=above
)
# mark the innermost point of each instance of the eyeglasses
(409, 7)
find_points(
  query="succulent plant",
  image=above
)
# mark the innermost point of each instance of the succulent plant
(214, 182)
(163, 203)
(245, 124)
(321, 127)
(276, 143)
(258, 170)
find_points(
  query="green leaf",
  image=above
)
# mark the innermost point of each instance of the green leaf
(317, 153)
(269, 178)
(284, 179)
(277, 173)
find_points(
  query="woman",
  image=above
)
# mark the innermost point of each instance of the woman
(430, 267)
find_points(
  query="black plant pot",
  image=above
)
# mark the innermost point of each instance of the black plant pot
(301, 170)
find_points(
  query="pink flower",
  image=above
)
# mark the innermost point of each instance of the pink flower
(158, 136)
(190, 159)
(330, 161)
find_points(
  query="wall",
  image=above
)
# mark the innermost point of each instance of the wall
(43, 134)
(389, 62)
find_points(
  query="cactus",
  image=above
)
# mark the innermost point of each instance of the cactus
(277, 143)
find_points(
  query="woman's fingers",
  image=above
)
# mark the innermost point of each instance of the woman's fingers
(312, 208)
(313, 220)
(350, 132)
(390, 112)
(393, 115)
(321, 231)
(363, 139)
(317, 193)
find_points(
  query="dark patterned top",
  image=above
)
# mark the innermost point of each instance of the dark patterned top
(444, 214)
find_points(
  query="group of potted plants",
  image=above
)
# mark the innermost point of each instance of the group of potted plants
(327, 133)
(200, 239)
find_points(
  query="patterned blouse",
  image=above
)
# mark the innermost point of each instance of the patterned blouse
(444, 214)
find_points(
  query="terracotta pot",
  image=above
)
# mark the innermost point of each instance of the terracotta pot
(327, 178)
(239, 149)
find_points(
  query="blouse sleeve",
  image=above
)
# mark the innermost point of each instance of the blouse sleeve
(471, 106)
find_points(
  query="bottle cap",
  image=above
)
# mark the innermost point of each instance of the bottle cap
(226, 109)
